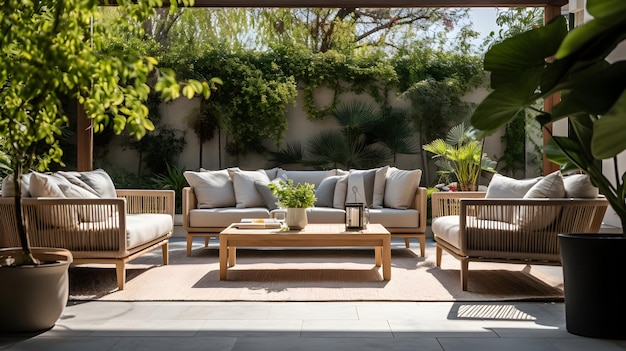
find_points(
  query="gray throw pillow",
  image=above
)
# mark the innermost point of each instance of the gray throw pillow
(325, 192)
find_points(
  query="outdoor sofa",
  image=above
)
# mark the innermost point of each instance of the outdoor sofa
(216, 199)
(84, 213)
(515, 221)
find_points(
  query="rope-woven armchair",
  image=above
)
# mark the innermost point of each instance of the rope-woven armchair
(527, 232)
(103, 230)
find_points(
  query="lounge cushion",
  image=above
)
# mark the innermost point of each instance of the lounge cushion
(246, 193)
(325, 192)
(505, 187)
(550, 186)
(400, 187)
(8, 190)
(580, 186)
(270, 200)
(50, 185)
(145, 227)
(341, 189)
(447, 228)
(395, 218)
(97, 181)
(213, 189)
(361, 186)
(223, 217)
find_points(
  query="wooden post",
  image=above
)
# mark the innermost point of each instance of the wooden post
(550, 12)
(84, 141)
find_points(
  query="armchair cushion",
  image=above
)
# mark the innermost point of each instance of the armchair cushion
(579, 185)
(506, 187)
(550, 186)
(145, 227)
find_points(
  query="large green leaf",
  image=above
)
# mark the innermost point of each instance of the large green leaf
(593, 92)
(596, 38)
(566, 152)
(497, 109)
(605, 8)
(608, 132)
(528, 49)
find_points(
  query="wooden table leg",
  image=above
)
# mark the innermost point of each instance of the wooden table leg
(378, 250)
(232, 256)
(223, 257)
(386, 258)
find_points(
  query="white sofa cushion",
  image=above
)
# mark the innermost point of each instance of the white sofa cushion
(8, 190)
(246, 193)
(225, 216)
(579, 185)
(361, 186)
(48, 185)
(447, 228)
(395, 218)
(97, 181)
(145, 227)
(505, 187)
(550, 186)
(213, 189)
(400, 187)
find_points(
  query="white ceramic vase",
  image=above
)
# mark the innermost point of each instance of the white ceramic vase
(296, 218)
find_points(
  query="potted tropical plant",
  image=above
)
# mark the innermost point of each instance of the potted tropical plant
(50, 53)
(296, 199)
(460, 155)
(592, 87)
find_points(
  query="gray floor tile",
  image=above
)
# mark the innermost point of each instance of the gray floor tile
(336, 344)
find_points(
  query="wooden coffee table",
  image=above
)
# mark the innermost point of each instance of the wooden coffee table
(313, 235)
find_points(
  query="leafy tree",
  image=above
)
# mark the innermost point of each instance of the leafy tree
(49, 52)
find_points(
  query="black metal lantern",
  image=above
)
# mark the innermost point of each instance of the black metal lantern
(355, 215)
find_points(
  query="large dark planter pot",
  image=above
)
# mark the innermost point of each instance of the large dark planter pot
(32, 298)
(593, 272)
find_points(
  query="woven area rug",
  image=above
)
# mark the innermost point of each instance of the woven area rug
(335, 274)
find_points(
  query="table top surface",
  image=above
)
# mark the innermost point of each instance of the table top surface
(313, 228)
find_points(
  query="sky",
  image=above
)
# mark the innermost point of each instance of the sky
(484, 20)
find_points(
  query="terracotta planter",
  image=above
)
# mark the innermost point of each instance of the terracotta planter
(32, 298)
(593, 270)
(296, 218)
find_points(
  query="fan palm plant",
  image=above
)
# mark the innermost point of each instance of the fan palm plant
(461, 156)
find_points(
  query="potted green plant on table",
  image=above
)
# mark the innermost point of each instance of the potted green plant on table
(51, 53)
(592, 87)
(295, 198)
(460, 155)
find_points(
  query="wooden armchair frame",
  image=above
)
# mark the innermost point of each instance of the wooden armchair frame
(101, 241)
(496, 241)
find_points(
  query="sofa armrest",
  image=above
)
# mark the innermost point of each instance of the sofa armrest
(189, 203)
(420, 204)
(148, 201)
